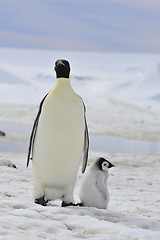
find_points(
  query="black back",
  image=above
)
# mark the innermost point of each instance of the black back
(33, 133)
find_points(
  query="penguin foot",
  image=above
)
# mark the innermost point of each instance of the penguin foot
(64, 204)
(41, 201)
(79, 204)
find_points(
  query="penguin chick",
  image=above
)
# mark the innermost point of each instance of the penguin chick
(94, 190)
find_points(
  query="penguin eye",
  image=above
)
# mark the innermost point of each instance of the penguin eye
(104, 165)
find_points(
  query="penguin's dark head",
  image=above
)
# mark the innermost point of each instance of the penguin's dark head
(62, 68)
(103, 164)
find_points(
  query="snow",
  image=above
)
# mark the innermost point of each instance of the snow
(6, 162)
(133, 211)
(121, 93)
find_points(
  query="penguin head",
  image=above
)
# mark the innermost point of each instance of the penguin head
(103, 164)
(62, 68)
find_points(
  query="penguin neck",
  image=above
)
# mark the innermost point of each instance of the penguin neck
(61, 81)
(62, 85)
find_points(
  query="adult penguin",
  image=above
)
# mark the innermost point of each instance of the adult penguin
(59, 140)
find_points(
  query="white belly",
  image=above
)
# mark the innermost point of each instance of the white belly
(59, 141)
(90, 195)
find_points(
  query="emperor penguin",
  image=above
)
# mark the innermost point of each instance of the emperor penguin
(94, 190)
(59, 141)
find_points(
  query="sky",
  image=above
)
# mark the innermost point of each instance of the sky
(83, 25)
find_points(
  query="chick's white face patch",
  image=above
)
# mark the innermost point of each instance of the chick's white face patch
(105, 166)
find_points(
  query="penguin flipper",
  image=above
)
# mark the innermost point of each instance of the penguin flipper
(101, 186)
(86, 143)
(33, 133)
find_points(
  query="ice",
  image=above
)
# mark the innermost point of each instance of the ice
(6, 77)
(133, 208)
(145, 88)
(121, 93)
(7, 162)
(123, 89)
(29, 76)
(129, 78)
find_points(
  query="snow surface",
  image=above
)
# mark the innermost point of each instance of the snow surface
(121, 93)
(133, 212)
(7, 162)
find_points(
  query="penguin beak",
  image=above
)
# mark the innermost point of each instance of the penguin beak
(111, 165)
